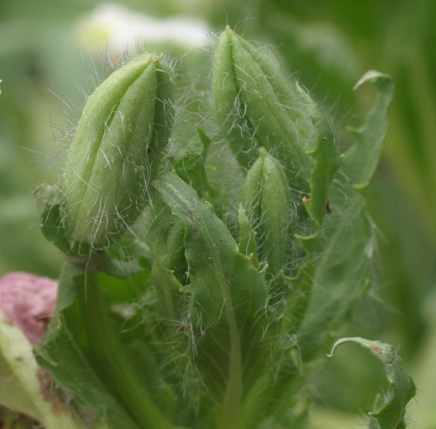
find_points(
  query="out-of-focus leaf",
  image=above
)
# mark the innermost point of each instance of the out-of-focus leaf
(191, 165)
(390, 412)
(361, 159)
(22, 381)
(165, 239)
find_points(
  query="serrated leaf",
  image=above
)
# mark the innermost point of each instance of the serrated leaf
(228, 314)
(390, 414)
(344, 265)
(327, 161)
(361, 160)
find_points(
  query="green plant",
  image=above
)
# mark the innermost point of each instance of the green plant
(186, 303)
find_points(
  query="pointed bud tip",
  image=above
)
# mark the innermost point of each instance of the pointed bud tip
(156, 57)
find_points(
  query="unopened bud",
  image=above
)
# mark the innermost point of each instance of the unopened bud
(266, 199)
(116, 151)
(257, 107)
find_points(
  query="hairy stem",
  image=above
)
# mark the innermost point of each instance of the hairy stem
(231, 410)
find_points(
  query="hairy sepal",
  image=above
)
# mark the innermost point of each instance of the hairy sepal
(257, 107)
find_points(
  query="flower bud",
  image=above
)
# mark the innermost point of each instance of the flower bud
(257, 107)
(116, 151)
(266, 200)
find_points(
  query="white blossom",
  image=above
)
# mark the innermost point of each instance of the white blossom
(117, 29)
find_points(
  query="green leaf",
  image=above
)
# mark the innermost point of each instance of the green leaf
(165, 239)
(84, 351)
(191, 165)
(361, 159)
(390, 414)
(345, 253)
(229, 296)
(49, 209)
(327, 161)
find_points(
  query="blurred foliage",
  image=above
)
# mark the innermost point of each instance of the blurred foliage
(328, 45)
(11, 420)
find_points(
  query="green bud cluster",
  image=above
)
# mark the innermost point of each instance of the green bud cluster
(265, 197)
(116, 151)
(233, 294)
(260, 111)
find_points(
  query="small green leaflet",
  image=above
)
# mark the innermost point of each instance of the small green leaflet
(361, 159)
(390, 414)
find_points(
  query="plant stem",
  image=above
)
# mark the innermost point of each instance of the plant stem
(111, 353)
(231, 410)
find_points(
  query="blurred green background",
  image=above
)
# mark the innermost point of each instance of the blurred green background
(51, 52)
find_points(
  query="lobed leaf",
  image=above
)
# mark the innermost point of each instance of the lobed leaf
(344, 265)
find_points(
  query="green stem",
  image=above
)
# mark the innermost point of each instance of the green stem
(231, 411)
(230, 417)
(109, 350)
